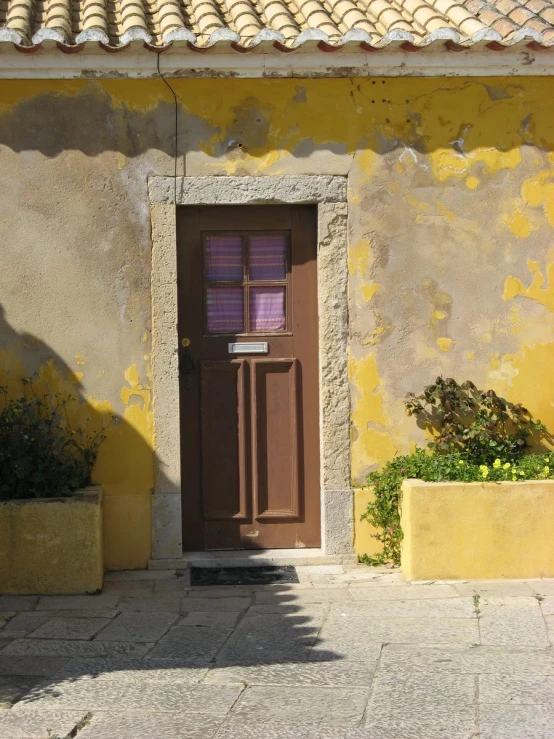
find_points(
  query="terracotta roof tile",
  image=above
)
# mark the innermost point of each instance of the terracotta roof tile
(287, 24)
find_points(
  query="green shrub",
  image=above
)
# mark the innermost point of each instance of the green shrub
(477, 436)
(41, 456)
(479, 424)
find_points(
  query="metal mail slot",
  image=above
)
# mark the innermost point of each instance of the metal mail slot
(254, 347)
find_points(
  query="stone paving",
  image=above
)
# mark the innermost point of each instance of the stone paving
(349, 653)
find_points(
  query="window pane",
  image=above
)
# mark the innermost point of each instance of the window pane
(268, 257)
(224, 258)
(267, 309)
(224, 310)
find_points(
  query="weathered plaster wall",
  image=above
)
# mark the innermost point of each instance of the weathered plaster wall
(451, 217)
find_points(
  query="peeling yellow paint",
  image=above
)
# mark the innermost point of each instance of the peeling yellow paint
(472, 182)
(445, 344)
(368, 291)
(519, 224)
(359, 258)
(539, 190)
(371, 444)
(540, 290)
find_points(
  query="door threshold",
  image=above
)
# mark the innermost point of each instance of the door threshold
(252, 558)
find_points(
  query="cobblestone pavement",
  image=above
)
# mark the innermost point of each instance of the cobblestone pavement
(349, 653)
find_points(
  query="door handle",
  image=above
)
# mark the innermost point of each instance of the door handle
(187, 366)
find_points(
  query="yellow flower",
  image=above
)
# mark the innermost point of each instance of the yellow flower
(461, 461)
(497, 463)
(546, 470)
(514, 478)
(522, 473)
(506, 466)
(484, 470)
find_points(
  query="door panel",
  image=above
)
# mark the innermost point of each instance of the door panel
(249, 421)
(222, 438)
(275, 439)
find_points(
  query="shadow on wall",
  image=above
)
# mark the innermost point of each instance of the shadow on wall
(242, 120)
(125, 464)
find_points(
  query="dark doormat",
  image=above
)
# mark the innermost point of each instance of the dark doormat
(268, 575)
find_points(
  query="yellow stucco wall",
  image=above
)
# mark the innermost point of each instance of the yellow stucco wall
(52, 546)
(451, 213)
(477, 530)
(364, 534)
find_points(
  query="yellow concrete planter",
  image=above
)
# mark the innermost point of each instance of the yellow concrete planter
(50, 546)
(456, 530)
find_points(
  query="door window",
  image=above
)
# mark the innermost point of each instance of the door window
(246, 278)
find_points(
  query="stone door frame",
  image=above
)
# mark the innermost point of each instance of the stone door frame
(329, 193)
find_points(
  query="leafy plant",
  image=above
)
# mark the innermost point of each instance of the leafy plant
(41, 456)
(478, 424)
(476, 435)
(383, 512)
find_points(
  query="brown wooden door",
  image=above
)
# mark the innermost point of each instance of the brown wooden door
(249, 419)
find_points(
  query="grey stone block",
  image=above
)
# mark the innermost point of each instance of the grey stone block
(320, 570)
(216, 605)
(190, 643)
(69, 628)
(543, 587)
(126, 588)
(138, 627)
(516, 689)
(16, 724)
(83, 694)
(304, 705)
(411, 693)
(140, 575)
(409, 706)
(11, 603)
(223, 591)
(72, 648)
(510, 621)
(359, 613)
(416, 722)
(151, 725)
(14, 687)
(175, 697)
(326, 674)
(307, 611)
(270, 638)
(29, 620)
(227, 620)
(156, 603)
(39, 666)
(477, 660)
(301, 597)
(128, 670)
(353, 650)
(448, 631)
(503, 721)
(404, 592)
(272, 730)
(547, 605)
(505, 588)
(80, 602)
